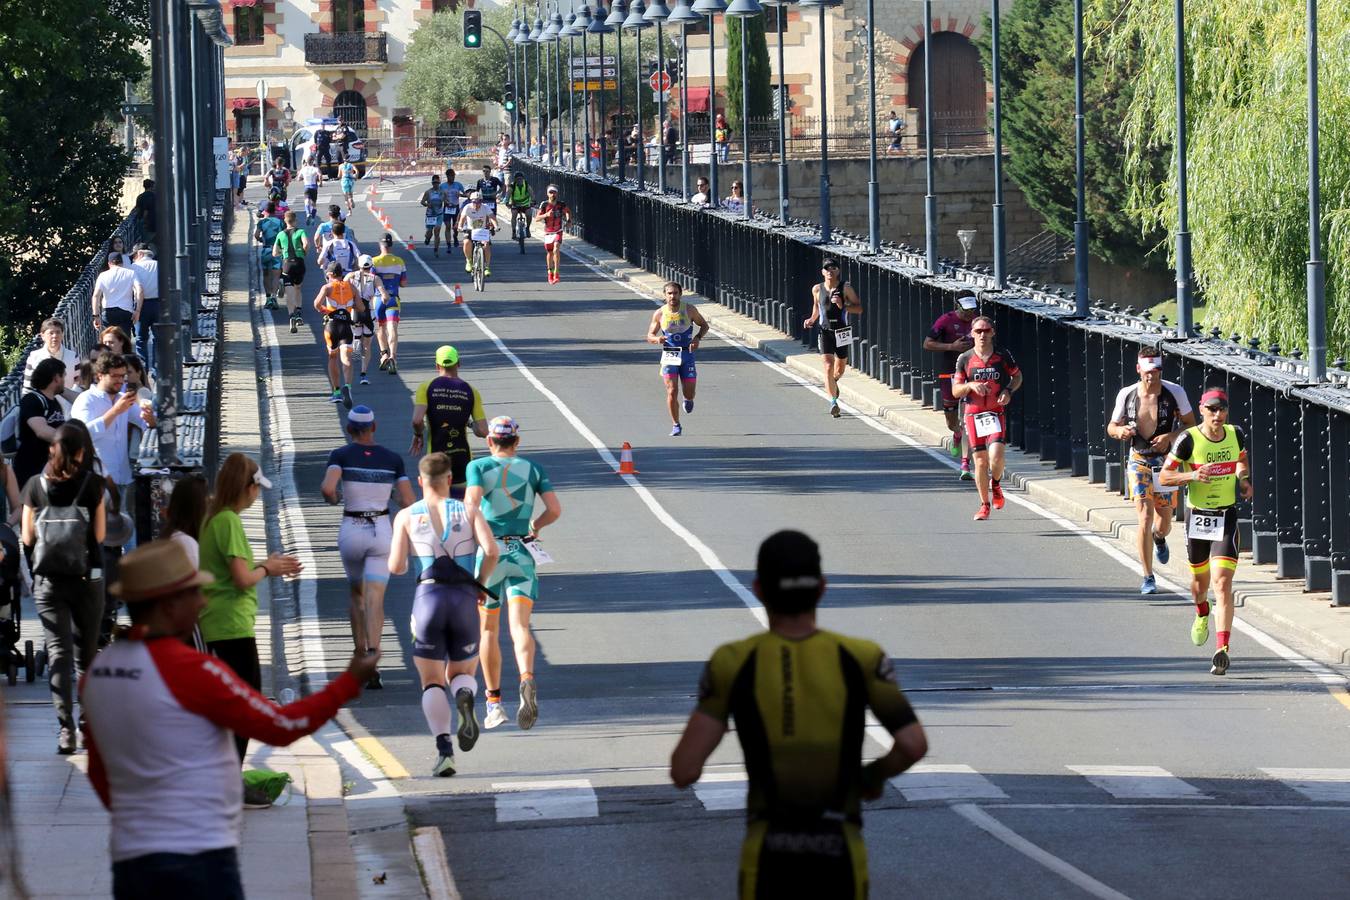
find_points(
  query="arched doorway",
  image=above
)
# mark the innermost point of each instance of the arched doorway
(350, 107)
(959, 98)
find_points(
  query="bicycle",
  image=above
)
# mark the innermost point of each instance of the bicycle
(479, 267)
(520, 227)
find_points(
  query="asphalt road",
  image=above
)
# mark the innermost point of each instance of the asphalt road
(1079, 745)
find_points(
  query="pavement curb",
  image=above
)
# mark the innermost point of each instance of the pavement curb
(1267, 600)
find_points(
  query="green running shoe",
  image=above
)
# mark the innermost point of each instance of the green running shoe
(1200, 631)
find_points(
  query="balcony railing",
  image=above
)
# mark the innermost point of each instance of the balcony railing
(347, 49)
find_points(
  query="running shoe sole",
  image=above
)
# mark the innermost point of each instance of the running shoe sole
(834, 411)
(689, 406)
(529, 705)
(375, 683)
(365, 380)
(1219, 664)
(966, 475)
(1148, 586)
(347, 396)
(444, 767)
(294, 326)
(468, 722)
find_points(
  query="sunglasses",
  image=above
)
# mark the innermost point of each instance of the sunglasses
(1216, 408)
(981, 331)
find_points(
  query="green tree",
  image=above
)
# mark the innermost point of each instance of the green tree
(62, 67)
(757, 70)
(1038, 128)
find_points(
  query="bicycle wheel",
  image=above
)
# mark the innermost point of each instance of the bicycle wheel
(521, 231)
(478, 266)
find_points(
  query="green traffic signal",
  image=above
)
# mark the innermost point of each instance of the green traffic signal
(473, 28)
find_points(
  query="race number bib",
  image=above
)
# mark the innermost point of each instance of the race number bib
(987, 423)
(537, 552)
(671, 356)
(1205, 526)
(433, 219)
(1158, 486)
(843, 337)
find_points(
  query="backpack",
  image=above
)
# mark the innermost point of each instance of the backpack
(290, 243)
(9, 433)
(62, 546)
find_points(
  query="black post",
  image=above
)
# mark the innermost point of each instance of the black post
(1000, 237)
(825, 133)
(873, 191)
(1317, 299)
(1080, 226)
(162, 37)
(714, 199)
(930, 216)
(1184, 311)
(618, 79)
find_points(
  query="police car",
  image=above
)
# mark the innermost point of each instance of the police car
(302, 146)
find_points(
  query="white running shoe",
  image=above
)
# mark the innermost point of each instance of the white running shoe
(496, 715)
(529, 705)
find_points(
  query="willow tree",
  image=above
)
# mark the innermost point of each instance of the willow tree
(1246, 99)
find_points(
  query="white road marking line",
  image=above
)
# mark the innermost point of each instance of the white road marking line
(944, 781)
(532, 801)
(1070, 873)
(429, 846)
(1139, 782)
(1222, 807)
(1320, 785)
(721, 790)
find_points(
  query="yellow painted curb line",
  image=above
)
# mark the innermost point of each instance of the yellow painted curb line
(391, 767)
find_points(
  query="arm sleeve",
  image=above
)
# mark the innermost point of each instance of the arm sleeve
(206, 686)
(544, 486)
(1179, 395)
(884, 696)
(1241, 437)
(420, 395)
(935, 333)
(237, 544)
(714, 687)
(333, 461)
(473, 475)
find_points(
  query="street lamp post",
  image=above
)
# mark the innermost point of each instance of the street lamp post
(569, 29)
(550, 91)
(635, 23)
(1317, 313)
(658, 12)
(930, 198)
(582, 24)
(600, 27)
(535, 34)
(823, 5)
(873, 191)
(1080, 227)
(744, 10)
(1185, 313)
(1000, 238)
(618, 12)
(711, 8)
(515, 78)
(555, 121)
(683, 15)
(523, 42)
(781, 6)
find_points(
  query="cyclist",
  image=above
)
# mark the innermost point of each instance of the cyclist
(454, 196)
(338, 303)
(1211, 460)
(443, 537)
(833, 301)
(672, 329)
(950, 336)
(268, 227)
(1151, 415)
(556, 216)
(394, 275)
(479, 223)
(290, 248)
(368, 475)
(312, 176)
(453, 408)
(434, 201)
(368, 287)
(798, 694)
(347, 175)
(491, 187)
(519, 200)
(986, 378)
(505, 487)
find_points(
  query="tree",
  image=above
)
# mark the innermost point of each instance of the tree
(1038, 128)
(62, 66)
(757, 70)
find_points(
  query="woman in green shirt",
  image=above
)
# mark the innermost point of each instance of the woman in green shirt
(227, 623)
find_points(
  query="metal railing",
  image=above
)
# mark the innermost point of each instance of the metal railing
(346, 49)
(1297, 433)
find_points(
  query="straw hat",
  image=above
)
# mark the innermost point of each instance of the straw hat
(155, 570)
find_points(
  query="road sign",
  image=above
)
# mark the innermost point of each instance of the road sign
(660, 81)
(595, 72)
(138, 109)
(595, 85)
(578, 62)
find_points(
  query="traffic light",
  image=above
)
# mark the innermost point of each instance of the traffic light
(509, 97)
(652, 67)
(673, 68)
(473, 28)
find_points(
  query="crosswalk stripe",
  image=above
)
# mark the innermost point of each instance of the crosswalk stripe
(721, 790)
(940, 781)
(532, 801)
(1321, 785)
(1139, 782)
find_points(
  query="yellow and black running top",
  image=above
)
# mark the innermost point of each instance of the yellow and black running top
(799, 708)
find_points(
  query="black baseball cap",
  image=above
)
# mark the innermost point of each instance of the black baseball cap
(788, 571)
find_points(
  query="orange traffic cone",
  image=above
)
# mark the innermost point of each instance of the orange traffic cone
(459, 295)
(626, 460)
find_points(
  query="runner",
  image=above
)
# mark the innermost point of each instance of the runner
(434, 201)
(278, 178)
(1211, 460)
(833, 301)
(290, 249)
(444, 537)
(804, 758)
(324, 232)
(986, 378)
(491, 187)
(312, 176)
(454, 197)
(268, 227)
(370, 290)
(366, 474)
(1151, 415)
(950, 336)
(338, 303)
(341, 249)
(452, 407)
(672, 329)
(479, 223)
(505, 486)
(394, 274)
(347, 173)
(556, 216)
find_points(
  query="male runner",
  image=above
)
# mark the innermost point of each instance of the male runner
(986, 378)
(268, 227)
(491, 187)
(833, 301)
(347, 174)
(443, 537)
(278, 178)
(290, 248)
(368, 287)
(338, 304)
(367, 475)
(798, 694)
(479, 223)
(950, 336)
(1151, 415)
(394, 274)
(324, 232)
(341, 249)
(672, 329)
(1211, 460)
(451, 407)
(312, 176)
(556, 216)
(454, 197)
(434, 201)
(505, 486)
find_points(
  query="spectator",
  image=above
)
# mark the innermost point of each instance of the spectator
(722, 137)
(323, 146)
(228, 621)
(671, 140)
(897, 129)
(40, 415)
(53, 333)
(736, 202)
(105, 409)
(147, 273)
(84, 376)
(113, 339)
(185, 515)
(629, 148)
(703, 196)
(343, 136)
(11, 511)
(145, 209)
(159, 745)
(66, 557)
(146, 157)
(117, 294)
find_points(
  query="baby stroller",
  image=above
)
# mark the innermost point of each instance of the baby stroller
(11, 592)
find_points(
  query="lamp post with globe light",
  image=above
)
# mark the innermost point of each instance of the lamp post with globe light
(745, 10)
(684, 16)
(711, 8)
(635, 23)
(618, 12)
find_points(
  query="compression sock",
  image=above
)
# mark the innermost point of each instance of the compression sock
(436, 709)
(1202, 608)
(1221, 641)
(494, 696)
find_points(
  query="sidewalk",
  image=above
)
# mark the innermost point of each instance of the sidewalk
(1307, 621)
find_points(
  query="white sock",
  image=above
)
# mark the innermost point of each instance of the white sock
(436, 709)
(463, 682)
